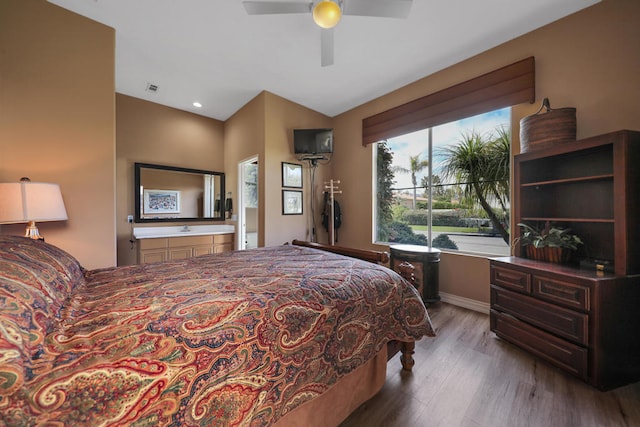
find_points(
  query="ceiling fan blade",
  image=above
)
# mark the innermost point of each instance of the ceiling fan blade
(276, 7)
(326, 47)
(379, 8)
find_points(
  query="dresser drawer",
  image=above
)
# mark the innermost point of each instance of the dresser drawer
(559, 321)
(511, 279)
(222, 238)
(562, 292)
(176, 242)
(153, 243)
(565, 355)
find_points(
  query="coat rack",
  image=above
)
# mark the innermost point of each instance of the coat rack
(333, 189)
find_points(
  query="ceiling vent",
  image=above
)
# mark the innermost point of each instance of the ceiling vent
(152, 88)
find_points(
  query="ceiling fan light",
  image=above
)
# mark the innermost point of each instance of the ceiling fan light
(327, 14)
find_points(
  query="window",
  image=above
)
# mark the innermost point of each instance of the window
(251, 185)
(466, 207)
(468, 192)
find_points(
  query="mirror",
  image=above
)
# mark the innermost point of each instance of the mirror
(166, 193)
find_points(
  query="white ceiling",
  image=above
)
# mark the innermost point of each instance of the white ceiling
(211, 51)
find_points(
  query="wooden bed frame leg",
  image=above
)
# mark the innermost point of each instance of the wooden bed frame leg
(406, 358)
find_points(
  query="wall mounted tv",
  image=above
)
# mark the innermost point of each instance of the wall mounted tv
(312, 142)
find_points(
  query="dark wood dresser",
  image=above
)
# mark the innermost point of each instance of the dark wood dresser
(582, 320)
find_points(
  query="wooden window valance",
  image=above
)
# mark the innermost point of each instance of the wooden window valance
(506, 86)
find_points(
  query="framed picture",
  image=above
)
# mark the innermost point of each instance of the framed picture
(161, 201)
(291, 202)
(291, 175)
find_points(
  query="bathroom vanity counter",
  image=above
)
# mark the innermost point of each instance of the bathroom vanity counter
(168, 243)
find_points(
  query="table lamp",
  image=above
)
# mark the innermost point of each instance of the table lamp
(27, 201)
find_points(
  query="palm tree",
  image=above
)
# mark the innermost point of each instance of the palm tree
(480, 168)
(415, 166)
(499, 155)
(436, 183)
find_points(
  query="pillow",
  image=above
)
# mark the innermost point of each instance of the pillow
(46, 269)
(35, 281)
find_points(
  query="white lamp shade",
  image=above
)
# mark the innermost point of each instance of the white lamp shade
(31, 201)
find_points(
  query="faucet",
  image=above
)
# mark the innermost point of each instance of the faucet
(185, 229)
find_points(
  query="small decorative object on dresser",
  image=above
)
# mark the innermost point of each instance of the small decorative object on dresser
(551, 244)
(546, 129)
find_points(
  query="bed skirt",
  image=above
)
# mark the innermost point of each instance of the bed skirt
(335, 405)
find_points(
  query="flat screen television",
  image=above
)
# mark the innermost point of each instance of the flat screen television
(312, 142)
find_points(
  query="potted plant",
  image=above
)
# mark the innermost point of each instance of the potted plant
(552, 244)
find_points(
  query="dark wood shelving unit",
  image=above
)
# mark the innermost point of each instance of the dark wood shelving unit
(591, 186)
(583, 321)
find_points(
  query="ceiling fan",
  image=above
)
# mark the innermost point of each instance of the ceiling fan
(327, 14)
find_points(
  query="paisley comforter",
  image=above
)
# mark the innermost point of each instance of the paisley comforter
(240, 338)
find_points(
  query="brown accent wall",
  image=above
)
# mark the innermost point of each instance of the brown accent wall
(152, 133)
(589, 60)
(57, 120)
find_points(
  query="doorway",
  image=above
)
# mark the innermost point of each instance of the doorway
(248, 201)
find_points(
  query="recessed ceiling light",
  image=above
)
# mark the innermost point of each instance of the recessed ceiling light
(197, 104)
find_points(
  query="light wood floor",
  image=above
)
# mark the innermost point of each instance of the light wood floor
(468, 377)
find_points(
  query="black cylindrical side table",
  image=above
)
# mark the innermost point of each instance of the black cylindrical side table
(426, 262)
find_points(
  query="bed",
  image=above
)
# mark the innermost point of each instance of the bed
(269, 336)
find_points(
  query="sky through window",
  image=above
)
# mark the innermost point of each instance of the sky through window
(415, 143)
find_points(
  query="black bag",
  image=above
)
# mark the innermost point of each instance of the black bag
(326, 214)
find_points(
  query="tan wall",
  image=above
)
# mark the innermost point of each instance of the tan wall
(589, 60)
(264, 127)
(57, 120)
(282, 116)
(152, 133)
(243, 139)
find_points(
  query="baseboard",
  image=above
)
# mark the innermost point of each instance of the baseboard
(463, 302)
